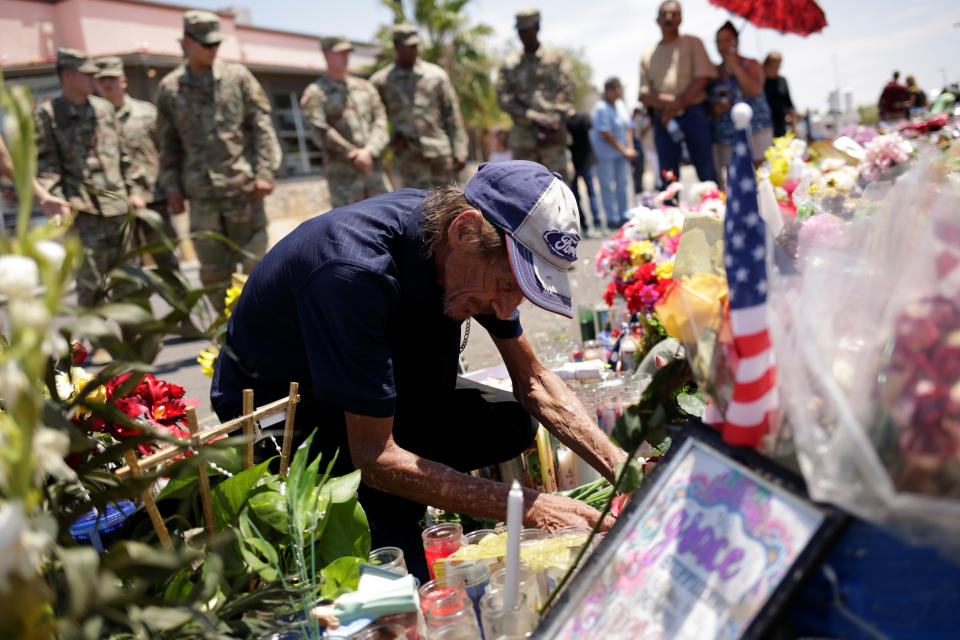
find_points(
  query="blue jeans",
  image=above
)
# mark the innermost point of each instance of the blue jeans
(699, 139)
(587, 174)
(614, 174)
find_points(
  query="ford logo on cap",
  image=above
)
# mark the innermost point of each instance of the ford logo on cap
(562, 244)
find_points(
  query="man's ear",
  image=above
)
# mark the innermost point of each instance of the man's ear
(462, 226)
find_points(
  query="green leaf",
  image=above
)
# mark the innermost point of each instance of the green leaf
(346, 532)
(165, 618)
(340, 576)
(230, 495)
(632, 472)
(271, 508)
(179, 487)
(124, 313)
(180, 587)
(343, 488)
(628, 432)
(691, 403)
(81, 568)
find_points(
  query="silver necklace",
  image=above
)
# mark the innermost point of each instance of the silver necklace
(466, 336)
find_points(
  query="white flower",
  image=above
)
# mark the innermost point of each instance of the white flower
(54, 345)
(19, 276)
(13, 383)
(21, 547)
(30, 313)
(49, 448)
(702, 188)
(52, 252)
(64, 385)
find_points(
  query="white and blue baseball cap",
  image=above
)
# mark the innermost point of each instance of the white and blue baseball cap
(539, 216)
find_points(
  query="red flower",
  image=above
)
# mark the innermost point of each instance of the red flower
(78, 354)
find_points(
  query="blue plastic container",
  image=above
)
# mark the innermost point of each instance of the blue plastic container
(873, 584)
(99, 528)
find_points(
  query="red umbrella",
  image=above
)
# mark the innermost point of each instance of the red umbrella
(801, 17)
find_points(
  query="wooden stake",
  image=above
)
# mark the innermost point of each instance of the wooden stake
(203, 481)
(248, 428)
(148, 502)
(294, 398)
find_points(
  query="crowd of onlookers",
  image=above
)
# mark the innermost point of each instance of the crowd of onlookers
(900, 101)
(683, 113)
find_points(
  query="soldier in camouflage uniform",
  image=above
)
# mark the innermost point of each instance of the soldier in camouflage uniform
(429, 139)
(219, 149)
(79, 159)
(137, 121)
(535, 87)
(349, 124)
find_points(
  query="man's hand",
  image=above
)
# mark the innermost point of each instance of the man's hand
(544, 120)
(629, 153)
(362, 160)
(459, 164)
(669, 114)
(56, 209)
(137, 203)
(551, 512)
(262, 188)
(175, 202)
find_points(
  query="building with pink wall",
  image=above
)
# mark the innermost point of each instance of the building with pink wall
(147, 36)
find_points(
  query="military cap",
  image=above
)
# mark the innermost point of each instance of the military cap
(75, 60)
(110, 66)
(336, 44)
(405, 34)
(202, 26)
(528, 19)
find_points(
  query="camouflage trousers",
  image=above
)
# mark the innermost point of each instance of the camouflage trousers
(347, 184)
(416, 172)
(104, 240)
(243, 221)
(555, 157)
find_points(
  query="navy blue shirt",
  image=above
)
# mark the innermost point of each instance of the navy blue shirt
(347, 305)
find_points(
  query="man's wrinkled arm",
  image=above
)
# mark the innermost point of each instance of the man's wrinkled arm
(548, 398)
(322, 134)
(386, 466)
(170, 149)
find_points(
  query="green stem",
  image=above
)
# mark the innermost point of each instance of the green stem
(596, 528)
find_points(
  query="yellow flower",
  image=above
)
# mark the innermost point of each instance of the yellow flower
(207, 358)
(98, 396)
(692, 305)
(230, 300)
(674, 232)
(664, 270)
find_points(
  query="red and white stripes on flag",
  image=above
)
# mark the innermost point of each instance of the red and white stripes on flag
(751, 411)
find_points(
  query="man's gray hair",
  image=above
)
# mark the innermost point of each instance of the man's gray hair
(441, 208)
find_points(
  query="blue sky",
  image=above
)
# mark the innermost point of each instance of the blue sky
(864, 42)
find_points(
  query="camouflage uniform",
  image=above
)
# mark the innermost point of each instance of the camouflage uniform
(428, 131)
(79, 160)
(541, 82)
(215, 138)
(343, 116)
(137, 122)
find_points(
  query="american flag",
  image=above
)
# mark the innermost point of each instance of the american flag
(752, 410)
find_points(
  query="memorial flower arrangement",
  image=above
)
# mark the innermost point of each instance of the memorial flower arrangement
(885, 155)
(639, 258)
(154, 402)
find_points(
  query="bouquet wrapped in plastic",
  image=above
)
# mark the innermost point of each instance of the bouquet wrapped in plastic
(867, 340)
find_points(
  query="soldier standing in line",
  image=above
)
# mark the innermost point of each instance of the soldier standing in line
(217, 148)
(79, 160)
(349, 124)
(428, 133)
(535, 87)
(137, 122)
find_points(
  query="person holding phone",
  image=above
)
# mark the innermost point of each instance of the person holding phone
(740, 79)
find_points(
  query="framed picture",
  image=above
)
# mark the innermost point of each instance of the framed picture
(713, 548)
